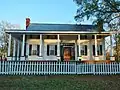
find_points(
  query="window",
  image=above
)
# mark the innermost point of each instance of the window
(99, 49)
(33, 49)
(84, 50)
(34, 52)
(51, 50)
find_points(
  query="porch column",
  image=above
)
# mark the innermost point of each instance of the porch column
(9, 48)
(111, 49)
(58, 47)
(18, 50)
(111, 46)
(23, 48)
(14, 49)
(96, 54)
(75, 50)
(79, 51)
(40, 49)
(103, 49)
(27, 49)
(90, 50)
(9, 45)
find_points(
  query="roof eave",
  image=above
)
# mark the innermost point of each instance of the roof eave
(52, 32)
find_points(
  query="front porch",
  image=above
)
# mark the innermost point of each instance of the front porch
(58, 47)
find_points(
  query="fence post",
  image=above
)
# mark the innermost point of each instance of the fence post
(119, 68)
(75, 67)
(94, 69)
(0, 67)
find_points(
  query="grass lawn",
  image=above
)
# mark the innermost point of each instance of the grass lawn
(60, 82)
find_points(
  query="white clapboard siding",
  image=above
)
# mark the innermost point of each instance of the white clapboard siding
(43, 68)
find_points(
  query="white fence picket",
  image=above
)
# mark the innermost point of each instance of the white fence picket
(37, 68)
(3, 67)
(0, 67)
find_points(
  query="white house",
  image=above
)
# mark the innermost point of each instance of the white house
(63, 42)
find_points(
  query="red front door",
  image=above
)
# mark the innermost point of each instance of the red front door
(67, 53)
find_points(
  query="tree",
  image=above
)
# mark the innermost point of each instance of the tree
(102, 11)
(4, 37)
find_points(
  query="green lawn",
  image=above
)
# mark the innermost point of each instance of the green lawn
(60, 82)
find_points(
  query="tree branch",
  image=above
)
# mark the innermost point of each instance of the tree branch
(111, 5)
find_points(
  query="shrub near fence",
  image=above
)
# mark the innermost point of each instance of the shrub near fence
(42, 68)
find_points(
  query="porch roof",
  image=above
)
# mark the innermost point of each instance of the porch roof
(18, 31)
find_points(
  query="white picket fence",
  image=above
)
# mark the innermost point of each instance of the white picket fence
(42, 68)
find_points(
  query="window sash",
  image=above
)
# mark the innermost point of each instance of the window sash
(33, 49)
(84, 50)
(51, 50)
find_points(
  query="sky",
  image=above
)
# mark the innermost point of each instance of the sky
(39, 11)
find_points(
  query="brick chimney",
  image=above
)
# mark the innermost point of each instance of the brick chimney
(27, 22)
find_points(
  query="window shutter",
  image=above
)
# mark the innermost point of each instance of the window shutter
(48, 50)
(25, 49)
(85, 36)
(82, 50)
(85, 49)
(61, 52)
(55, 49)
(100, 49)
(30, 49)
(77, 50)
(94, 50)
(93, 37)
(38, 50)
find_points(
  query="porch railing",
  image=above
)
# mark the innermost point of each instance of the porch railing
(42, 68)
